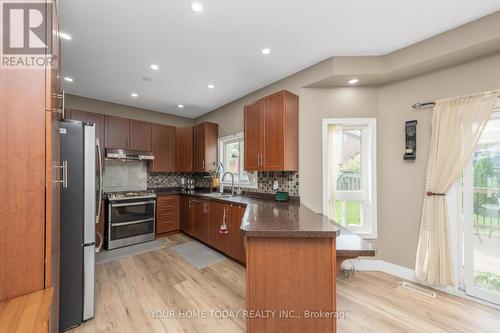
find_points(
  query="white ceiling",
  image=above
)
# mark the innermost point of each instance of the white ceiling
(115, 41)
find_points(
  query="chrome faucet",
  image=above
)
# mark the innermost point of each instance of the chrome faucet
(232, 182)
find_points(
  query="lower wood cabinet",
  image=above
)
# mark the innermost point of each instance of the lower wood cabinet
(167, 213)
(219, 215)
(198, 214)
(203, 220)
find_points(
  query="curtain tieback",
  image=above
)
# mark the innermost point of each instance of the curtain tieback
(433, 193)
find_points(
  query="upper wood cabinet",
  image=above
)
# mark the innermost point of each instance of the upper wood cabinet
(127, 134)
(117, 132)
(163, 148)
(140, 135)
(272, 133)
(184, 149)
(253, 135)
(205, 146)
(89, 117)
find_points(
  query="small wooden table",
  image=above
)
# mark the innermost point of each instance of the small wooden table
(28, 313)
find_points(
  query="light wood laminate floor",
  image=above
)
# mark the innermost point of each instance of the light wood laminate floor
(128, 290)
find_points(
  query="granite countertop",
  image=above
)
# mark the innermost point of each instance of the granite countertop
(268, 218)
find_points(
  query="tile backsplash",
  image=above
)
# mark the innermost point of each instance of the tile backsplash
(287, 181)
(125, 176)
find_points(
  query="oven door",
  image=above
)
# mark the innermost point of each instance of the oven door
(121, 212)
(130, 223)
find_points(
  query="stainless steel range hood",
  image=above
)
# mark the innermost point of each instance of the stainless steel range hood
(128, 155)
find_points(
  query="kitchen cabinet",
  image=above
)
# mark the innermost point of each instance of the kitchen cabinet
(117, 132)
(198, 215)
(140, 135)
(253, 135)
(219, 213)
(30, 110)
(125, 133)
(167, 214)
(163, 148)
(235, 237)
(185, 215)
(271, 133)
(90, 117)
(206, 135)
(184, 149)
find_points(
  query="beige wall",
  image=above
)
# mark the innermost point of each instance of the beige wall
(119, 110)
(230, 116)
(401, 183)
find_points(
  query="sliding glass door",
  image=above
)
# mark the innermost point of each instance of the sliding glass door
(481, 212)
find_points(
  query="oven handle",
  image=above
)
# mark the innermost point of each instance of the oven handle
(118, 224)
(132, 203)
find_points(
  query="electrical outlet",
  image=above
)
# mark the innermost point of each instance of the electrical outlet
(275, 185)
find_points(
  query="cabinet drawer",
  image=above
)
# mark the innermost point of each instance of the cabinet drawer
(167, 214)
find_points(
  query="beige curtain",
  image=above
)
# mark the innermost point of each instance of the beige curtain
(334, 156)
(456, 126)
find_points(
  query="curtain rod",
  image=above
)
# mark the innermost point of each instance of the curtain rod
(419, 105)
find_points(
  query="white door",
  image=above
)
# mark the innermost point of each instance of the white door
(481, 209)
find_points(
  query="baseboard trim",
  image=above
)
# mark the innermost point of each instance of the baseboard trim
(384, 266)
(408, 274)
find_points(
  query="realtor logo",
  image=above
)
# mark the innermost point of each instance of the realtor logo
(26, 34)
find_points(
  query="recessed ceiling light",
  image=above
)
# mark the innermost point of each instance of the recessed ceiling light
(134, 95)
(266, 51)
(180, 106)
(147, 78)
(353, 81)
(154, 67)
(67, 78)
(66, 36)
(211, 86)
(196, 7)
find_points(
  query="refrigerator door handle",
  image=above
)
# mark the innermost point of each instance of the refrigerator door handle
(99, 156)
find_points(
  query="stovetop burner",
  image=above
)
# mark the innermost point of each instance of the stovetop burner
(131, 195)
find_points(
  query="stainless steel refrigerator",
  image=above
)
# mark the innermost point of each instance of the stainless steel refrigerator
(78, 218)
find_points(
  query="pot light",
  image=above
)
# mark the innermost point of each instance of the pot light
(353, 81)
(135, 95)
(67, 78)
(196, 7)
(266, 51)
(66, 36)
(154, 67)
(211, 86)
(180, 106)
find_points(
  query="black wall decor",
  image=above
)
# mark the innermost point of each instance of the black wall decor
(411, 140)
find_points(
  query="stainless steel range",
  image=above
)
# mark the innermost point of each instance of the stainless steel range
(130, 218)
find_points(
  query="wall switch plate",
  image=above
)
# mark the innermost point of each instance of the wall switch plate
(275, 185)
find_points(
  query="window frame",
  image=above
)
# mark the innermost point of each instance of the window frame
(236, 137)
(368, 177)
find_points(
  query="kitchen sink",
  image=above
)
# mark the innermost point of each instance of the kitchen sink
(218, 195)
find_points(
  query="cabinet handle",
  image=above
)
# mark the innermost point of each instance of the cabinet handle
(61, 111)
(203, 165)
(64, 168)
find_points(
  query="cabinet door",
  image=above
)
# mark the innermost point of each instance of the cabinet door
(140, 135)
(205, 146)
(185, 215)
(117, 132)
(167, 214)
(218, 212)
(199, 219)
(184, 149)
(253, 136)
(163, 148)
(199, 148)
(236, 238)
(274, 132)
